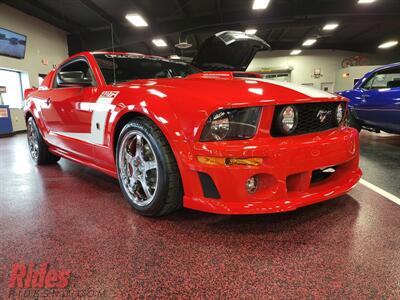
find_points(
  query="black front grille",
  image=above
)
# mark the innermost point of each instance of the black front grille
(312, 117)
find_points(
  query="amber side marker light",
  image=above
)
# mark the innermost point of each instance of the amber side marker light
(222, 161)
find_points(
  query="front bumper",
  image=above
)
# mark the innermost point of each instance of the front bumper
(285, 177)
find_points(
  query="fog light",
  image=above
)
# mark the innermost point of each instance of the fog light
(340, 110)
(251, 185)
(288, 119)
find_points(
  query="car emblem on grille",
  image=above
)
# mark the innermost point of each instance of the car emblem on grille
(323, 114)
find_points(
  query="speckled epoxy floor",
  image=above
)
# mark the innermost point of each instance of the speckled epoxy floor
(75, 218)
(380, 160)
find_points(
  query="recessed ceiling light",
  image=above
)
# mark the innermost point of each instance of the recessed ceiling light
(331, 26)
(136, 20)
(388, 44)
(309, 42)
(251, 31)
(296, 52)
(159, 43)
(365, 1)
(260, 4)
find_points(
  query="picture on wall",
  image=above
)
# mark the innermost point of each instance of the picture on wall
(12, 44)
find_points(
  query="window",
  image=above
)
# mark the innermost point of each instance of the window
(12, 81)
(129, 67)
(80, 67)
(384, 79)
(41, 77)
(278, 76)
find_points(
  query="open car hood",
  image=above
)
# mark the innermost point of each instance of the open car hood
(228, 51)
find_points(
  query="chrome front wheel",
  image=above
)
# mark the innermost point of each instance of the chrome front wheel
(147, 170)
(138, 168)
(33, 141)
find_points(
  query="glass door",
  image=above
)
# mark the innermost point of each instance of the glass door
(11, 80)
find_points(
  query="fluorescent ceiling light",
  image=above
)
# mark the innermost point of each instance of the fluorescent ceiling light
(260, 4)
(251, 31)
(388, 44)
(174, 57)
(365, 1)
(159, 43)
(296, 52)
(136, 20)
(309, 42)
(331, 26)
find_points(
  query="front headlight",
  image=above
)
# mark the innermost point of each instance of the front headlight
(219, 126)
(231, 124)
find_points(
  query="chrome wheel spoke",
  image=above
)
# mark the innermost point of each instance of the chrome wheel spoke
(145, 188)
(129, 159)
(150, 165)
(139, 146)
(132, 179)
(132, 184)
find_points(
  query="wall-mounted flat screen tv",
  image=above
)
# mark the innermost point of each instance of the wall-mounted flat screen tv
(12, 44)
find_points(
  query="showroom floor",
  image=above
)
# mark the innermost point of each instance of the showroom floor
(76, 219)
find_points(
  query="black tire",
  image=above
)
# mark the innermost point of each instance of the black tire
(41, 155)
(352, 122)
(169, 192)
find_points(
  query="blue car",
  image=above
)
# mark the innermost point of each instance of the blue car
(375, 100)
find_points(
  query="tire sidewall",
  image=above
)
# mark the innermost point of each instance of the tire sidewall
(162, 180)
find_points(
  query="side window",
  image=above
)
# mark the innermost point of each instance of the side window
(384, 79)
(368, 83)
(79, 68)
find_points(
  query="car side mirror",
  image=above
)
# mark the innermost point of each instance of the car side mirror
(27, 92)
(72, 78)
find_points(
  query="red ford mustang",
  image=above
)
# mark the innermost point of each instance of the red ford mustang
(224, 142)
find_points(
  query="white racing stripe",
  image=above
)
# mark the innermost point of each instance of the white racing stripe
(100, 110)
(380, 191)
(303, 89)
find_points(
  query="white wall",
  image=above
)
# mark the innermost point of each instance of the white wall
(44, 41)
(329, 61)
(345, 77)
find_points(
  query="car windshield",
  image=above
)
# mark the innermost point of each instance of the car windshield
(132, 66)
